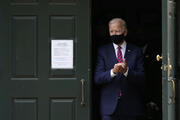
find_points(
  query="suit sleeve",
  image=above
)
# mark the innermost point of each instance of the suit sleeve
(102, 75)
(136, 75)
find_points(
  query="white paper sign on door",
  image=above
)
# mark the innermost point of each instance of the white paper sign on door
(62, 54)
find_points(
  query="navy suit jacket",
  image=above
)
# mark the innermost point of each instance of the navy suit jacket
(131, 86)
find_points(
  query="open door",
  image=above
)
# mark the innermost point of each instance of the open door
(168, 61)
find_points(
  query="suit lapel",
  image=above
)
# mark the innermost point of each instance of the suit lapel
(112, 55)
(128, 52)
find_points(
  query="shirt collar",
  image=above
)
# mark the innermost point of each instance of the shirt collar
(123, 45)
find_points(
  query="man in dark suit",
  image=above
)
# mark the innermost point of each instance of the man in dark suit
(120, 72)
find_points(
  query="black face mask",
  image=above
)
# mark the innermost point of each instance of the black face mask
(117, 39)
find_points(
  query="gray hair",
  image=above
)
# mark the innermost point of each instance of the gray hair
(115, 20)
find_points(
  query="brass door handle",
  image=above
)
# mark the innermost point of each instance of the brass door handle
(172, 98)
(158, 57)
(82, 92)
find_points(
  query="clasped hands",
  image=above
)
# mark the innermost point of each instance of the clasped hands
(120, 67)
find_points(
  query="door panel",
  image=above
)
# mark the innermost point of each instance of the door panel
(24, 46)
(30, 89)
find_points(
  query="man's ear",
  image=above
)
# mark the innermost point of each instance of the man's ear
(125, 32)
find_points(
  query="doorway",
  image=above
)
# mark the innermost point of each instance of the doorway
(144, 23)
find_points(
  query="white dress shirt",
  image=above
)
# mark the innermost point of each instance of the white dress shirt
(123, 50)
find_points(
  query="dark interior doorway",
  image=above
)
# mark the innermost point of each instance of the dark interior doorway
(144, 22)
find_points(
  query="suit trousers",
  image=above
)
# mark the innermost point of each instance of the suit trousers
(118, 116)
(106, 117)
